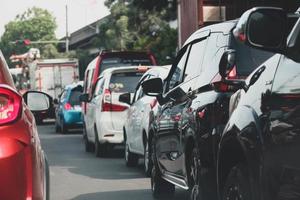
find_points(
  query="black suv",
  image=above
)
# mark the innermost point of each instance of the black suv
(194, 108)
(259, 148)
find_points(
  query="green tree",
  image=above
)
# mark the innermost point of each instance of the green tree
(34, 24)
(140, 25)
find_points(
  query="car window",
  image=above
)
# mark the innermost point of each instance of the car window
(99, 87)
(177, 75)
(74, 97)
(139, 88)
(124, 82)
(36, 101)
(63, 95)
(195, 59)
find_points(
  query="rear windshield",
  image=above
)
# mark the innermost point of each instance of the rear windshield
(74, 97)
(118, 62)
(247, 58)
(124, 82)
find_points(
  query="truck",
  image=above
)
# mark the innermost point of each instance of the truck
(52, 75)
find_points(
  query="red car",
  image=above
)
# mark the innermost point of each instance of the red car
(24, 172)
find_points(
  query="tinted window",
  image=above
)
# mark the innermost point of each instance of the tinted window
(74, 97)
(177, 75)
(194, 63)
(124, 82)
(117, 62)
(247, 58)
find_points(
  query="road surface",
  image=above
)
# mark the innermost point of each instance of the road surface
(77, 175)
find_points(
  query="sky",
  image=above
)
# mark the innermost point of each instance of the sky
(80, 12)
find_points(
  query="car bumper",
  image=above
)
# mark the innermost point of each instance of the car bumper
(73, 118)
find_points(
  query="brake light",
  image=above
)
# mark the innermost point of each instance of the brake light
(219, 85)
(67, 106)
(107, 106)
(10, 105)
(153, 103)
(232, 74)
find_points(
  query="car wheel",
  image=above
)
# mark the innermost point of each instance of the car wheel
(237, 185)
(131, 159)
(88, 145)
(194, 164)
(57, 127)
(100, 149)
(147, 159)
(160, 188)
(64, 129)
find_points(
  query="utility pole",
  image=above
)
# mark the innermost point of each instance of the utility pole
(67, 31)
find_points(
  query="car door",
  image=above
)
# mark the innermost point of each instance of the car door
(93, 108)
(167, 138)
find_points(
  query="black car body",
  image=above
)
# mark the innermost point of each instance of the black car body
(259, 149)
(194, 111)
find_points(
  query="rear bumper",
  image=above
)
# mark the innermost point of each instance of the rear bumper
(73, 118)
(15, 170)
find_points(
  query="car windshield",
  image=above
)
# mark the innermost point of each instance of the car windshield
(118, 62)
(124, 82)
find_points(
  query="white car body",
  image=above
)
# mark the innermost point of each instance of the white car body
(141, 114)
(101, 123)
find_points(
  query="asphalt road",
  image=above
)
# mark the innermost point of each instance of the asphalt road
(77, 175)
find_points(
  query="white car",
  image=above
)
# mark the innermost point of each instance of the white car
(139, 117)
(105, 114)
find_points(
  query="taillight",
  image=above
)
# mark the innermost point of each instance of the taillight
(108, 106)
(10, 105)
(153, 103)
(67, 106)
(232, 74)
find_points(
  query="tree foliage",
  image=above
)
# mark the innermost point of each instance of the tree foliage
(140, 25)
(34, 24)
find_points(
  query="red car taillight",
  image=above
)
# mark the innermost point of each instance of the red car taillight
(67, 106)
(107, 106)
(10, 105)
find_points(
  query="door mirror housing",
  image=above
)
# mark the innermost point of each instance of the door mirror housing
(84, 98)
(38, 101)
(125, 98)
(227, 63)
(265, 28)
(153, 87)
(55, 101)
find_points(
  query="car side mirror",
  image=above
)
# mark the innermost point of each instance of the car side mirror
(84, 97)
(227, 63)
(153, 87)
(37, 101)
(125, 98)
(264, 28)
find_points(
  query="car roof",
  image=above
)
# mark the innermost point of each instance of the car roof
(74, 85)
(224, 27)
(113, 53)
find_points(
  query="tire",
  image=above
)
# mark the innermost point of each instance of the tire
(64, 128)
(148, 164)
(194, 164)
(100, 150)
(57, 127)
(237, 185)
(131, 159)
(160, 188)
(89, 147)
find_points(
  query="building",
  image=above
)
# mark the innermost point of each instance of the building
(194, 14)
